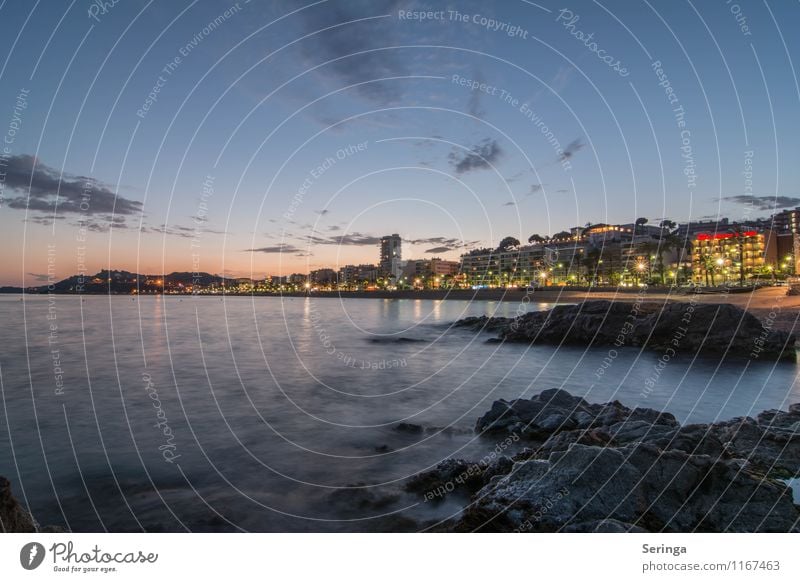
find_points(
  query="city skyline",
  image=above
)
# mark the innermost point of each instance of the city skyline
(258, 139)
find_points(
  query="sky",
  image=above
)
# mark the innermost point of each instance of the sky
(264, 138)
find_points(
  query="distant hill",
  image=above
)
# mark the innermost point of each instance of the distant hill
(125, 282)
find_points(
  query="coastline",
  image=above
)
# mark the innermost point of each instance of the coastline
(770, 304)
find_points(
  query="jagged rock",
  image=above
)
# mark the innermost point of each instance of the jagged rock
(555, 411)
(606, 467)
(640, 485)
(685, 327)
(13, 517)
(448, 476)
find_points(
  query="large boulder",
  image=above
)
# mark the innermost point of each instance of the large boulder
(685, 327)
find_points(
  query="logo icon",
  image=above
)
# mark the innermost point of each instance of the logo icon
(31, 555)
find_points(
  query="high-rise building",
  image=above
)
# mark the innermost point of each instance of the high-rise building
(391, 255)
(787, 221)
(720, 257)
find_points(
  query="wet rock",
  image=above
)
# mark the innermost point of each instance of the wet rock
(639, 485)
(13, 517)
(555, 411)
(409, 428)
(686, 327)
(606, 467)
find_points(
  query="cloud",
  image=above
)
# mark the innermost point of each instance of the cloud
(444, 243)
(764, 202)
(277, 249)
(46, 189)
(40, 277)
(510, 204)
(571, 149)
(358, 37)
(534, 189)
(480, 157)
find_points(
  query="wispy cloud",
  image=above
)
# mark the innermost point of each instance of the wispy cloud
(45, 189)
(764, 202)
(435, 250)
(572, 148)
(277, 249)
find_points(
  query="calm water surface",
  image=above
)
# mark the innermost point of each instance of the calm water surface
(269, 414)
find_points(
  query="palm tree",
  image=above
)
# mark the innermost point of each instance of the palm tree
(709, 267)
(739, 235)
(592, 261)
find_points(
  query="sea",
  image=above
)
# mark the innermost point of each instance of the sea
(299, 414)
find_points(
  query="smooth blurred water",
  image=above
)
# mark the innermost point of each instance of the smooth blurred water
(284, 411)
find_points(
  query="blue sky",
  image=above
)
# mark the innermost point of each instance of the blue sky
(261, 99)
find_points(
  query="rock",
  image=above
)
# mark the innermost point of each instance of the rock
(409, 428)
(554, 411)
(483, 323)
(13, 517)
(606, 467)
(639, 485)
(771, 443)
(604, 526)
(448, 476)
(686, 327)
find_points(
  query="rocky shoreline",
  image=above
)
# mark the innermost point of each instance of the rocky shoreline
(688, 327)
(16, 519)
(608, 468)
